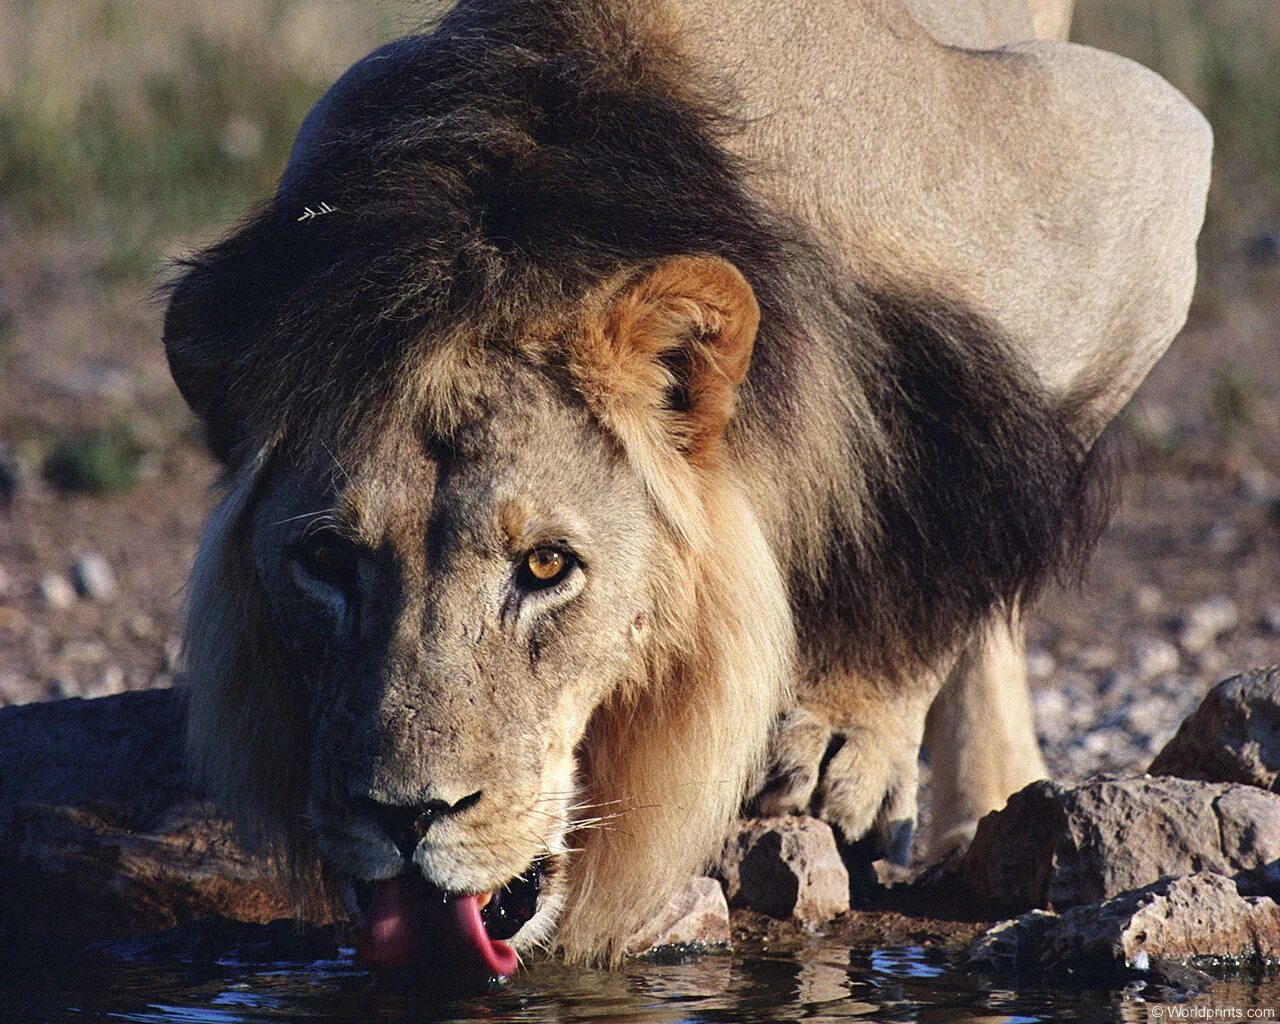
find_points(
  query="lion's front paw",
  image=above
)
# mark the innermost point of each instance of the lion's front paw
(861, 778)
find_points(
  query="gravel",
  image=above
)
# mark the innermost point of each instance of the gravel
(52, 591)
(93, 578)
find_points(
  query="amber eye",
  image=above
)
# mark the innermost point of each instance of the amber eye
(544, 567)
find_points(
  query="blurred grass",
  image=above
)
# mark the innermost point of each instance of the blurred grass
(1225, 56)
(141, 120)
(104, 461)
(146, 119)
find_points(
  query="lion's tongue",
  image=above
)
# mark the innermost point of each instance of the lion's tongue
(401, 928)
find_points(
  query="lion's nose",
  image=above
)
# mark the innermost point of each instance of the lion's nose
(406, 824)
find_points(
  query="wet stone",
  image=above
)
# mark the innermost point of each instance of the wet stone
(786, 868)
(94, 578)
(53, 591)
(697, 915)
(1186, 919)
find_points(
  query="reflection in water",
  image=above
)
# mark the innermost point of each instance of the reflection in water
(810, 979)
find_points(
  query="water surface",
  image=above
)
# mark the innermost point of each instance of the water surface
(809, 980)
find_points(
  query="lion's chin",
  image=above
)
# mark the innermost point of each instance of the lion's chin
(406, 922)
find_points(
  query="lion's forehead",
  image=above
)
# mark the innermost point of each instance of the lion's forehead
(527, 464)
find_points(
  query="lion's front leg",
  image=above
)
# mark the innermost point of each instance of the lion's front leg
(848, 752)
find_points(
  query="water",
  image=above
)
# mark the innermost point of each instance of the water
(807, 981)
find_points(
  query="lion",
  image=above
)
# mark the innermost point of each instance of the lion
(632, 407)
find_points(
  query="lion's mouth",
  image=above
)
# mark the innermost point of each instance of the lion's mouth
(406, 922)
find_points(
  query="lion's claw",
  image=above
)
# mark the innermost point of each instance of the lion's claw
(860, 779)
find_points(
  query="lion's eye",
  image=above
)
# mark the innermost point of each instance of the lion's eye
(545, 567)
(330, 560)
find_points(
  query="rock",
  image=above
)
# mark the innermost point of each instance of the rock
(1204, 623)
(1095, 659)
(1057, 847)
(1146, 599)
(6, 585)
(109, 681)
(16, 689)
(1053, 714)
(1153, 656)
(1183, 919)
(171, 661)
(1222, 537)
(1013, 946)
(786, 868)
(1234, 736)
(695, 916)
(62, 687)
(100, 835)
(1040, 664)
(1257, 486)
(1271, 619)
(53, 591)
(141, 627)
(93, 578)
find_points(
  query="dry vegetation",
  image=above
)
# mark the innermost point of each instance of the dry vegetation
(130, 129)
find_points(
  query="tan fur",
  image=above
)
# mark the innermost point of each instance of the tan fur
(670, 749)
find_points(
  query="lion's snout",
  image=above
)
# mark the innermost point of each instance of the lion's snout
(407, 824)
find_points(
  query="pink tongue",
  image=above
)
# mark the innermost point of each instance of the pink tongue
(401, 930)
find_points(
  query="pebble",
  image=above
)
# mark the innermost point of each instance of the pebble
(110, 681)
(1103, 741)
(1040, 664)
(1053, 714)
(83, 652)
(1257, 485)
(1096, 659)
(1205, 622)
(1147, 599)
(13, 689)
(6, 585)
(93, 578)
(53, 591)
(1271, 618)
(1154, 656)
(172, 660)
(141, 627)
(1222, 538)
(62, 687)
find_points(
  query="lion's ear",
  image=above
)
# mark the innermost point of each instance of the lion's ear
(201, 362)
(663, 364)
